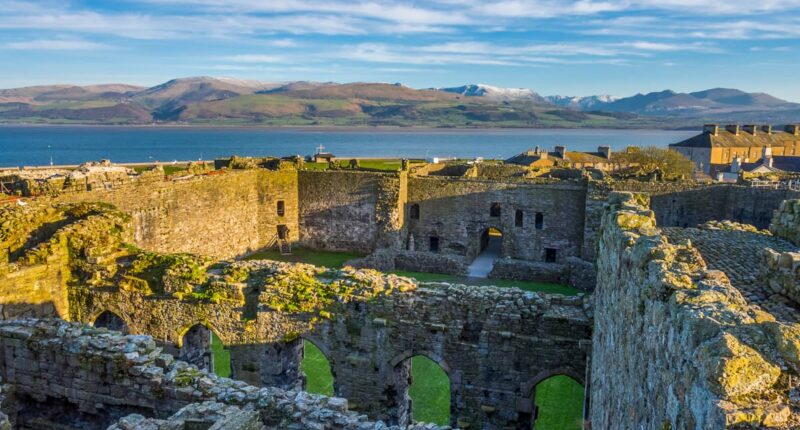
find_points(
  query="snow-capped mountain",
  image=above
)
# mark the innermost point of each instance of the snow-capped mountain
(581, 103)
(496, 93)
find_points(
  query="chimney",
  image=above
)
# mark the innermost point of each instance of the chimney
(736, 164)
(767, 129)
(733, 129)
(750, 128)
(530, 152)
(561, 150)
(712, 129)
(793, 129)
(605, 150)
(767, 153)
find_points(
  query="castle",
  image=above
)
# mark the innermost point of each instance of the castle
(687, 321)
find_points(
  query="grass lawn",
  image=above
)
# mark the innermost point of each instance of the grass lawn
(389, 164)
(301, 255)
(560, 402)
(545, 287)
(429, 392)
(319, 379)
(222, 357)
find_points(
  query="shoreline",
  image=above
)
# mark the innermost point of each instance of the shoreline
(345, 129)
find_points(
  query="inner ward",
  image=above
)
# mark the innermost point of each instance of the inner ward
(466, 300)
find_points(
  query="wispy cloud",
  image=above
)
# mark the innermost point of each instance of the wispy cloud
(56, 45)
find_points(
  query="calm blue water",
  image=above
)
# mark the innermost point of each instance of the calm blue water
(34, 145)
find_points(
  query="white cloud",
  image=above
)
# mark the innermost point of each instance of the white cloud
(56, 45)
(256, 58)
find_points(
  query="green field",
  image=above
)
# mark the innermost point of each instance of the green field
(560, 402)
(388, 164)
(222, 357)
(429, 392)
(315, 366)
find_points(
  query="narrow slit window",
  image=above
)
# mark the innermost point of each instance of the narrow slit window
(539, 221)
(519, 218)
(281, 208)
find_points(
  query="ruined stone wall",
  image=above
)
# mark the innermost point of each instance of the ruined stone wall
(95, 377)
(457, 211)
(786, 221)
(350, 211)
(701, 356)
(38, 244)
(221, 216)
(495, 344)
(779, 273)
(720, 202)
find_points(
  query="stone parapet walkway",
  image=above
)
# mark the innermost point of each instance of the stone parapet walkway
(738, 254)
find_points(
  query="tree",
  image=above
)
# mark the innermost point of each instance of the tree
(653, 160)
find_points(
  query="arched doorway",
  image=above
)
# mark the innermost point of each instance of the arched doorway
(492, 240)
(429, 392)
(490, 248)
(111, 321)
(422, 391)
(558, 404)
(317, 371)
(203, 348)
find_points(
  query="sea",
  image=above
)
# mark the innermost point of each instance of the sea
(68, 145)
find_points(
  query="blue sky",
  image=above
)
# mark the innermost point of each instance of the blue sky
(552, 46)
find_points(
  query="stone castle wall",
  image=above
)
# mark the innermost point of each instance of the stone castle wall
(457, 211)
(786, 221)
(720, 202)
(73, 376)
(349, 211)
(702, 357)
(473, 333)
(779, 273)
(38, 244)
(220, 216)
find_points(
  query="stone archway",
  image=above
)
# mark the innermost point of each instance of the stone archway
(111, 321)
(490, 248)
(557, 400)
(195, 347)
(317, 369)
(421, 389)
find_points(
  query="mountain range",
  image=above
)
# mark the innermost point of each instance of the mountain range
(228, 101)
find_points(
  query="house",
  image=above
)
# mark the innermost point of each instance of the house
(767, 164)
(716, 147)
(560, 157)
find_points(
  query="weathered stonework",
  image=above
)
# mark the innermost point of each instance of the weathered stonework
(786, 221)
(523, 336)
(106, 377)
(779, 272)
(706, 359)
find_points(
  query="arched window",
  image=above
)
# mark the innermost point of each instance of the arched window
(413, 211)
(281, 208)
(538, 222)
(494, 210)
